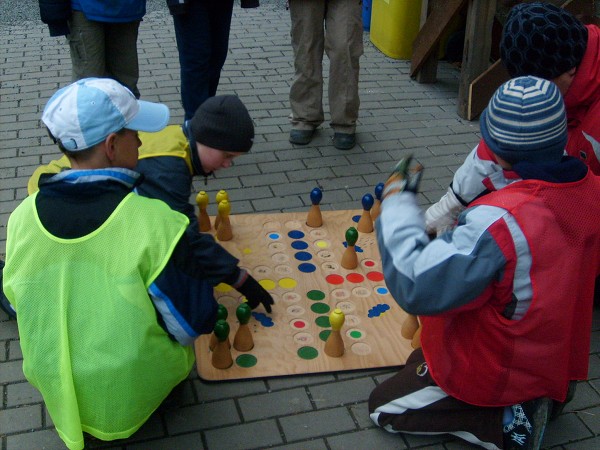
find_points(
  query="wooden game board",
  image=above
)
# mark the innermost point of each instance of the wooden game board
(300, 267)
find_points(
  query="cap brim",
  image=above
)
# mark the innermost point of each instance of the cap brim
(151, 117)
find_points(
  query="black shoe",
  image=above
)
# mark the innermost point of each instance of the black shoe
(557, 407)
(344, 141)
(301, 137)
(526, 430)
(4, 304)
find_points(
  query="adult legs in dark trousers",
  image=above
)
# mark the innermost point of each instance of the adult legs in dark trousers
(103, 49)
(202, 34)
(333, 27)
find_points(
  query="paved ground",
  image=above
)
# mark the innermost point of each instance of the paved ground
(398, 116)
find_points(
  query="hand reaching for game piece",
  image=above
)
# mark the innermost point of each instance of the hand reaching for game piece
(403, 178)
(256, 294)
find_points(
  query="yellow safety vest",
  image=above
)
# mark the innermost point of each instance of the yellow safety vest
(89, 335)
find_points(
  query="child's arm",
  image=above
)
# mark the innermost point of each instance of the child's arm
(432, 277)
(468, 184)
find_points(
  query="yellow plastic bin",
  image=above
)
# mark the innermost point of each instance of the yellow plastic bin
(394, 26)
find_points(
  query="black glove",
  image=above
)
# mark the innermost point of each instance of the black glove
(403, 179)
(256, 294)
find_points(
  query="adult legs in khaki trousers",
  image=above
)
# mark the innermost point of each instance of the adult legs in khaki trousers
(333, 27)
(102, 49)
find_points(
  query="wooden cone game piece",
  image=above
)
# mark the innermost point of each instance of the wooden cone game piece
(416, 340)
(365, 224)
(221, 315)
(243, 341)
(409, 326)
(221, 356)
(203, 219)
(221, 195)
(376, 210)
(334, 346)
(224, 232)
(349, 258)
(315, 219)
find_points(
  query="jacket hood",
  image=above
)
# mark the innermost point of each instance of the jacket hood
(585, 88)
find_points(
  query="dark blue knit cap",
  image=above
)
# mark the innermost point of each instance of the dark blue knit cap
(525, 121)
(543, 40)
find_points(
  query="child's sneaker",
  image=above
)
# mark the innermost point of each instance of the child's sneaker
(526, 430)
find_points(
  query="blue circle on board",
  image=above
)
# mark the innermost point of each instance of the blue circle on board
(296, 234)
(307, 267)
(303, 256)
(274, 236)
(355, 218)
(299, 245)
(382, 290)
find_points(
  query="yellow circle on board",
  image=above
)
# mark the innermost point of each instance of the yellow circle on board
(267, 284)
(288, 283)
(222, 287)
(247, 251)
(322, 244)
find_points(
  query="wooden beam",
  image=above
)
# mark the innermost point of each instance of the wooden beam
(434, 27)
(428, 71)
(476, 53)
(483, 87)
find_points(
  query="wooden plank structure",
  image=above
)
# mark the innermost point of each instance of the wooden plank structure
(479, 78)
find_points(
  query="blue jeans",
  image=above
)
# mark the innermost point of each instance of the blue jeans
(202, 34)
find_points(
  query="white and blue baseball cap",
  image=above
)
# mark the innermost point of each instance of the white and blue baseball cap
(84, 113)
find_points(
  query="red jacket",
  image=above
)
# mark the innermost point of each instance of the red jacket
(481, 357)
(582, 103)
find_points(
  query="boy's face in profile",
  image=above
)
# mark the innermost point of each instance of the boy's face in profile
(126, 144)
(213, 159)
(564, 80)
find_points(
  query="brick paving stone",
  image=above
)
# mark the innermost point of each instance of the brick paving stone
(42, 439)
(564, 429)
(191, 441)
(317, 424)
(341, 392)
(12, 371)
(21, 394)
(24, 418)
(256, 435)
(313, 444)
(202, 416)
(365, 439)
(278, 403)
(208, 391)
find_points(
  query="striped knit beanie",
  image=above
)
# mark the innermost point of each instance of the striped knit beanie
(525, 121)
(543, 40)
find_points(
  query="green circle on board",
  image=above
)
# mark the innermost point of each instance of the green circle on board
(323, 321)
(316, 295)
(320, 308)
(308, 352)
(246, 360)
(323, 335)
(356, 334)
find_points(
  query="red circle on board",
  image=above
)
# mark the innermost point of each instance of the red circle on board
(299, 324)
(355, 278)
(369, 263)
(334, 279)
(375, 276)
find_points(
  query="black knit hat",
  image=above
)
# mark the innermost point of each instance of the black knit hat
(543, 40)
(223, 123)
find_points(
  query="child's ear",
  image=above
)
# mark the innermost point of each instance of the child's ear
(110, 146)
